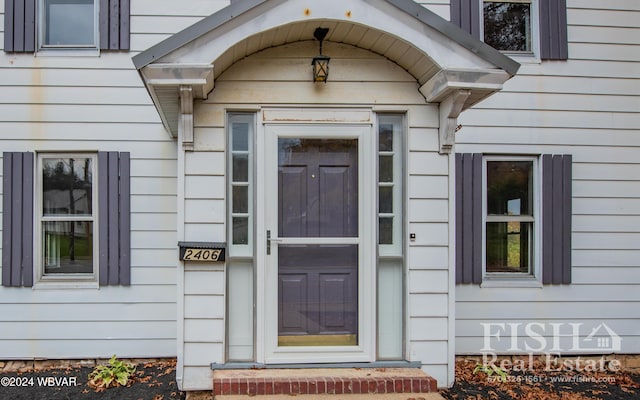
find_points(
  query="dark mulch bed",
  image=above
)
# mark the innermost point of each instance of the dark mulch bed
(544, 385)
(151, 381)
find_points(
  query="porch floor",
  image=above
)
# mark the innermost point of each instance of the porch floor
(321, 381)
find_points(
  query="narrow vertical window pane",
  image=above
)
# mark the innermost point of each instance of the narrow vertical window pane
(385, 230)
(385, 199)
(386, 137)
(240, 230)
(240, 136)
(509, 246)
(385, 165)
(69, 22)
(67, 247)
(240, 168)
(240, 199)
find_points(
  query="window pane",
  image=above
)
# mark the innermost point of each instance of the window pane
(67, 247)
(386, 137)
(240, 199)
(386, 168)
(509, 187)
(69, 22)
(385, 199)
(240, 168)
(507, 26)
(67, 186)
(509, 246)
(240, 136)
(240, 230)
(385, 230)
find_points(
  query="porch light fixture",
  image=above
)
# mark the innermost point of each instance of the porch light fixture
(320, 63)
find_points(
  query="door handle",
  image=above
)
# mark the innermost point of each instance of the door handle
(269, 240)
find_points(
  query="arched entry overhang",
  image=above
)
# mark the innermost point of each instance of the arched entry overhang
(452, 71)
(451, 67)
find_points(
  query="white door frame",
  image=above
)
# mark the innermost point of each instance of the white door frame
(267, 347)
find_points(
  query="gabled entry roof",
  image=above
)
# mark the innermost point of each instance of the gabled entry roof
(441, 57)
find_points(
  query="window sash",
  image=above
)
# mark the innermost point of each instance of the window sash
(533, 41)
(42, 220)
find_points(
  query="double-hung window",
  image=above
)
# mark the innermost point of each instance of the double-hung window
(68, 23)
(67, 217)
(510, 216)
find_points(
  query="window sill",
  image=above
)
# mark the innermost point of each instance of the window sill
(524, 58)
(50, 285)
(511, 282)
(67, 52)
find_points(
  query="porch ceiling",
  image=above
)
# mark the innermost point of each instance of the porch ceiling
(418, 64)
(442, 58)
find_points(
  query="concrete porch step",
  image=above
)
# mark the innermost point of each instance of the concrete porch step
(322, 381)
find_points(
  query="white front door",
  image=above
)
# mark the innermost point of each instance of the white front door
(319, 254)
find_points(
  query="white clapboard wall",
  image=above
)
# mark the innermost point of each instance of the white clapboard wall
(587, 106)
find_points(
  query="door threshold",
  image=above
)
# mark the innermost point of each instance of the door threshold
(375, 364)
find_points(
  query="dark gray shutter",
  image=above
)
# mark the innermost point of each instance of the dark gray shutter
(114, 236)
(553, 30)
(19, 26)
(17, 219)
(466, 15)
(556, 219)
(468, 218)
(114, 24)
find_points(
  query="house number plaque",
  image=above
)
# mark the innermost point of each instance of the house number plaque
(202, 251)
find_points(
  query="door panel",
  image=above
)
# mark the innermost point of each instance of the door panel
(292, 192)
(293, 290)
(336, 217)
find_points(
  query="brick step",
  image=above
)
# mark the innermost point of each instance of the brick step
(377, 396)
(254, 382)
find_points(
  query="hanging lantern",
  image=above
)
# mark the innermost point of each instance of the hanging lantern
(320, 63)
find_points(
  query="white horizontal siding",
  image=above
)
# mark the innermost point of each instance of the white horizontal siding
(428, 305)
(204, 324)
(587, 106)
(90, 104)
(74, 349)
(153, 21)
